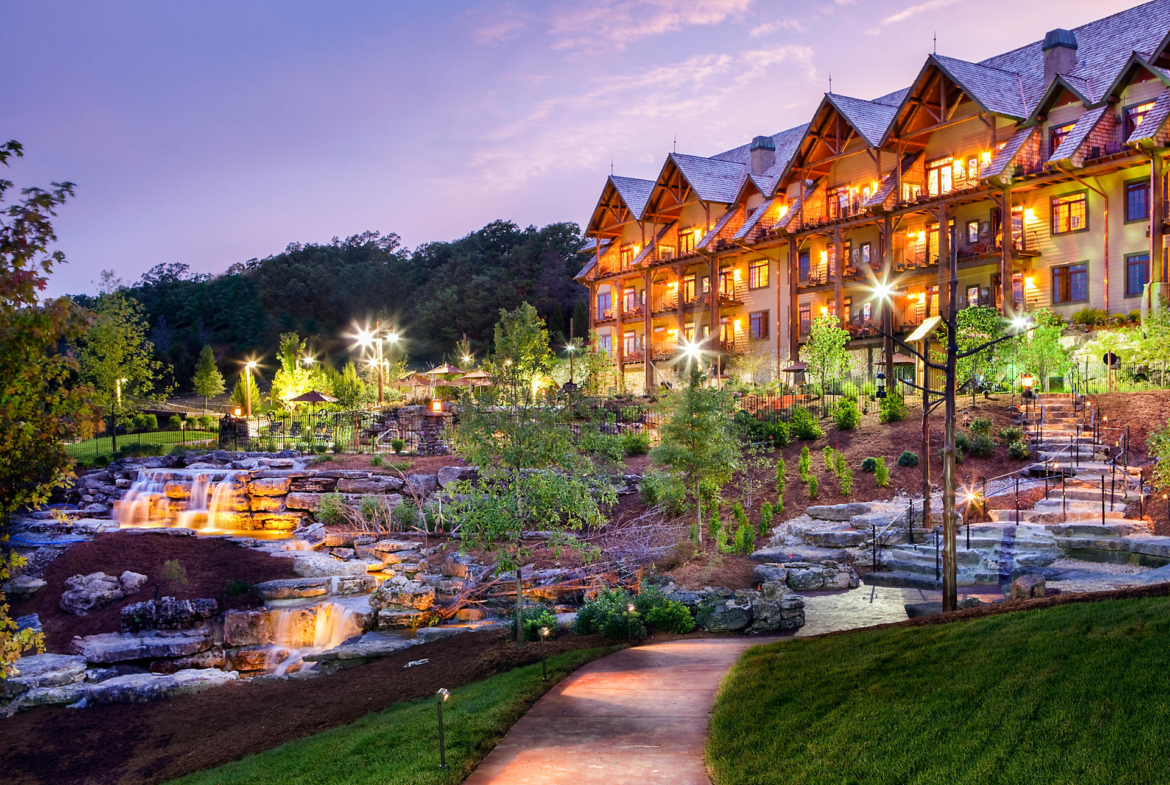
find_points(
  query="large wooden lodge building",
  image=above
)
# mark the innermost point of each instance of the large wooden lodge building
(1045, 163)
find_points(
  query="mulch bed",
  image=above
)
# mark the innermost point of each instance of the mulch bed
(417, 464)
(210, 565)
(161, 740)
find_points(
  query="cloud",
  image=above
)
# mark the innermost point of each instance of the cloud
(617, 23)
(768, 28)
(578, 130)
(907, 13)
(505, 23)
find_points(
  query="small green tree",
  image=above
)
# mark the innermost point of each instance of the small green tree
(522, 358)
(116, 359)
(239, 396)
(976, 326)
(698, 441)
(825, 353)
(291, 379)
(208, 381)
(348, 387)
(1041, 351)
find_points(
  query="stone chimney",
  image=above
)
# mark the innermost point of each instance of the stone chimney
(1060, 53)
(763, 152)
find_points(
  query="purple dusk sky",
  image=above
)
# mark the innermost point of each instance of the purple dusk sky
(209, 133)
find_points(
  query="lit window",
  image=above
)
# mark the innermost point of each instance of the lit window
(631, 343)
(604, 306)
(911, 192)
(972, 171)
(1134, 115)
(686, 242)
(939, 176)
(866, 253)
(838, 202)
(604, 344)
(688, 287)
(1070, 213)
(666, 252)
(972, 295)
(972, 232)
(1137, 274)
(1070, 283)
(805, 263)
(758, 325)
(805, 318)
(1056, 136)
(758, 274)
(1137, 201)
(628, 253)
(689, 332)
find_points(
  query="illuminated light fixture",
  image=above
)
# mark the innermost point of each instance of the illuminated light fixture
(738, 323)
(637, 248)
(824, 310)
(440, 697)
(392, 337)
(251, 366)
(629, 623)
(544, 633)
(910, 233)
(698, 234)
(735, 273)
(1029, 283)
(883, 291)
(881, 386)
(921, 236)
(1020, 323)
(238, 411)
(921, 297)
(673, 331)
(467, 359)
(985, 157)
(437, 407)
(873, 187)
(1029, 214)
(308, 360)
(673, 284)
(1027, 382)
(783, 210)
(824, 256)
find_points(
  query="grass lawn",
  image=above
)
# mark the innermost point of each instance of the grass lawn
(1078, 693)
(103, 445)
(400, 746)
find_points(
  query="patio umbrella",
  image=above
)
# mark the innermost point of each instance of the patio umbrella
(446, 369)
(313, 397)
(478, 376)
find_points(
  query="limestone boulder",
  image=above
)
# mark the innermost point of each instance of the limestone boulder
(375, 484)
(449, 476)
(295, 627)
(23, 586)
(270, 486)
(401, 618)
(315, 565)
(87, 593)
(1027, 586)
(122, 647)
(140, 687)
(368, 646)
(43, 670)
(837, 512)
(422, 484)
(59, 695)
(728, 617)
(457, 566)
(166, 613)
(411, 594)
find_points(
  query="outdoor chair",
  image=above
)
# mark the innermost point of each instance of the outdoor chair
(295, 430)
(275, 429)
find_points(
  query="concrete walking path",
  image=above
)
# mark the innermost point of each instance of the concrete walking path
(636, 717)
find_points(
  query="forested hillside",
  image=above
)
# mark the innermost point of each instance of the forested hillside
(434, 294)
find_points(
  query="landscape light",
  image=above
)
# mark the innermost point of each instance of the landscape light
(441, 696)
(437, 407)
(544, 631)
(392, 337)
(881, 386)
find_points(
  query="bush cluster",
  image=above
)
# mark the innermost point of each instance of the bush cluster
(869, 465)
(775, 434)
(665, 489)
(535, 618)
(804, 425)
(846, 415)
(893, 408)
(1018, 451)
(608, 614)
(881, 474)
(908, 459)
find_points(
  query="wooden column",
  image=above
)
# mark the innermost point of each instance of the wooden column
(592, 307)
(680, 272)
(647, 341)
(1157, 217)
(839, 284)
(713, 266)
(1005, 257)
(619, 351)
(780, 265)
(793, 300)
(888, 305)
(944, 259)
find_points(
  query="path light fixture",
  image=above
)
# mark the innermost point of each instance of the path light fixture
(881, 386)
(248, 368)
(437, 406)
(441, 696)
(1167, 505)
(544, 631)
(1027, 382)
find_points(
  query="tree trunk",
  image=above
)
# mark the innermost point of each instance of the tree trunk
(520, 637)
(925, 436)
(699, 514)
(950, 529)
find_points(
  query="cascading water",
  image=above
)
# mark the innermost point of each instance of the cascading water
(334, 624)
(190, 498)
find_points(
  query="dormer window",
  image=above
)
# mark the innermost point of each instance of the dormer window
(939, 176)
(1134, 116)
(628, 252)
(686, 241)
(838, 202)
(666, 252)
(1056, 136)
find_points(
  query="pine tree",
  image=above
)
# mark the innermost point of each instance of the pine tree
(208, 380)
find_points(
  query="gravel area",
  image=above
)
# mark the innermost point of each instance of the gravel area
(1076, 575)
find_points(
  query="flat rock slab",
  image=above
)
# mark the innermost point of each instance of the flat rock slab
(315, 565)
(118, 647)
(368, 646)
(140, 687)
(638, 716)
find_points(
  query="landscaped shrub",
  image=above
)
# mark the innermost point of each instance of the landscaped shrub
(1090, 317)
(777, 434)
(804, 425)
(142, 450)
(207, 423)
(805, 465)
(781, 480)
(397, 445)
(839, 464)
(893, 408)
(377, 460)
(881, 474)
(144, 422)
(175, 422)
(534, 618)
(908, 458)
(812, 486)
(373, 512)
(846, 415)
(1018, 451)
(738, 513)
(665, 489)
(766, 514)
(636, 443)
(404, 515)
(981, 426)
(869, 465)
(174, 576)
(962, 442)
(981, 446)
(671, 616)
(331, 509)
(607, 614)
(1010, 435)
(846, 478)
(609, 447)
(236, 587)
(830, 456)
(745, 541)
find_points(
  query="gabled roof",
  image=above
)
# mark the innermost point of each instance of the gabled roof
(1079, 133)
(786, 142)
(752, 220)
(1137, 63)
(1153, 121)
(890, 181)
(868, 118)
(1075, 85)
(590, 245)
(646, 252)
(1007, 154)
(710, 236)
(634, 192)
(711, 180)
(1161, 56)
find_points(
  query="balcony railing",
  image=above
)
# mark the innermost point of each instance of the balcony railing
(664, 303)
(635, 311)
(606, 316)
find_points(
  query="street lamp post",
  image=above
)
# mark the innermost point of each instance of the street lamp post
(248, 387)
(114, 415)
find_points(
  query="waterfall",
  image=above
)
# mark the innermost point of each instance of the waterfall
(157, 499)
(333, 625)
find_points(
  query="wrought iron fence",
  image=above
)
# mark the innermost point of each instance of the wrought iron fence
(398, 429)
(152, 441)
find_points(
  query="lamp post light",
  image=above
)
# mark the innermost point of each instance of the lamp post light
(881, 386)
(248, 368)
(544, 632)
(629, 622)
(571, 348)
(114, 416)
(440, 697)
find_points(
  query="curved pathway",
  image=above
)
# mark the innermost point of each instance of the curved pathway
(638, 717)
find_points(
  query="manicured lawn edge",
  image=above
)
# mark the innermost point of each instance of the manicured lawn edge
(103, 445)
(1072, 693)
(399, 745)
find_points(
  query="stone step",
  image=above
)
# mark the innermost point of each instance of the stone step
(1091, 492)
(902, 580)
(1050, 517)
(924, 556)
(1117, 527)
